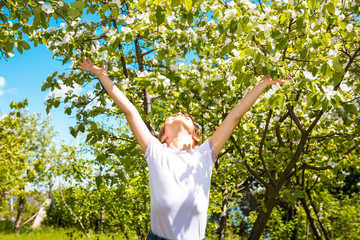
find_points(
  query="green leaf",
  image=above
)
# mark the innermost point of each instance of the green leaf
(25, 45)
(78, 5)
(114, 12)
(282, 43)
(237, 64)
(330, 7)
(68, 111)
(175, 3)
(142, 4)
(188, 5)
(311, 4)
(9, 45)
(74, 13)
(325, 105)
(337, 65)
(81, 127)
(325, 69)
(336, 78)
(160, 16)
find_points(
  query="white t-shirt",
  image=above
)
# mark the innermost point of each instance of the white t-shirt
(179, 189)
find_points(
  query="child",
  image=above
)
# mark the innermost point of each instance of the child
(179, 169)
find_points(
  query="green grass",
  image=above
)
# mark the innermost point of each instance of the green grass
(48, 233)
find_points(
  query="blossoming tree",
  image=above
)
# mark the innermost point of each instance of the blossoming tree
(201, 57)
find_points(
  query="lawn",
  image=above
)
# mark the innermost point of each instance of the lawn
(48, 233)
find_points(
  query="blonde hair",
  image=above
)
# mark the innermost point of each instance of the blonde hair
(197, 130)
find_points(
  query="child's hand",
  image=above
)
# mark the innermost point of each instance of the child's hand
(88, 66)
(267, 79)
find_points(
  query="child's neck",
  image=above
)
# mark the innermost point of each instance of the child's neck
(180, 142)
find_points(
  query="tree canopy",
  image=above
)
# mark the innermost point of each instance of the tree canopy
(201, 57)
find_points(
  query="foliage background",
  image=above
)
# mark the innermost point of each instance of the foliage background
(291, 168)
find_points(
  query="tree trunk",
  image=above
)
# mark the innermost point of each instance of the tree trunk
(318, 217)
(224, 215)
(41, 214)
(21, 208)
(12, 210)
(311, 220)
(291, 213)
(271, 197)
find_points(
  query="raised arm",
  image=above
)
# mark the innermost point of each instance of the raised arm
(137, 125)
(226, 128)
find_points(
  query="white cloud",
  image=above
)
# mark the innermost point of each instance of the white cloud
(2, 81)
(2, 84)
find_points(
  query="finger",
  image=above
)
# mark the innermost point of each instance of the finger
(102, 65)
(82, 64)
(89, 61)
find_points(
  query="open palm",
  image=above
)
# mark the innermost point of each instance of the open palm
(89, 66)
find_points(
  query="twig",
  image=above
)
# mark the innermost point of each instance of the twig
(30, 219)
(77, 218)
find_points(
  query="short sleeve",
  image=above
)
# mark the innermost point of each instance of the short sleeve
(154, 149)
(207, 150)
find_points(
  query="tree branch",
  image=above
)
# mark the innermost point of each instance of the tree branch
(313, 124)
(317, 216)
(255, 174)
(262, 142)
(310, 218)
(147, 104)
(295, 118)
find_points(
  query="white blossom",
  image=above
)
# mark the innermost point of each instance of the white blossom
(276, 58)
(345, 87)
(67, 38)
(47, 8)
(333, 164)
(130, 20)
(333, 53)
(144, 73)
(349, 27)
(268, 94)
(329, 91)
(121, 17)
(63, 25)
(173, 68)
(342, 17)
(97, 173)
(162, 45)
(309, 75)
(125, 30)
(203, 7)
(330, 62)
(166, 82)
(52, 29)
(112, 174)
(275, 86)
(235, 52)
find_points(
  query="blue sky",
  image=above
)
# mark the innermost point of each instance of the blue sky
(22, 76)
